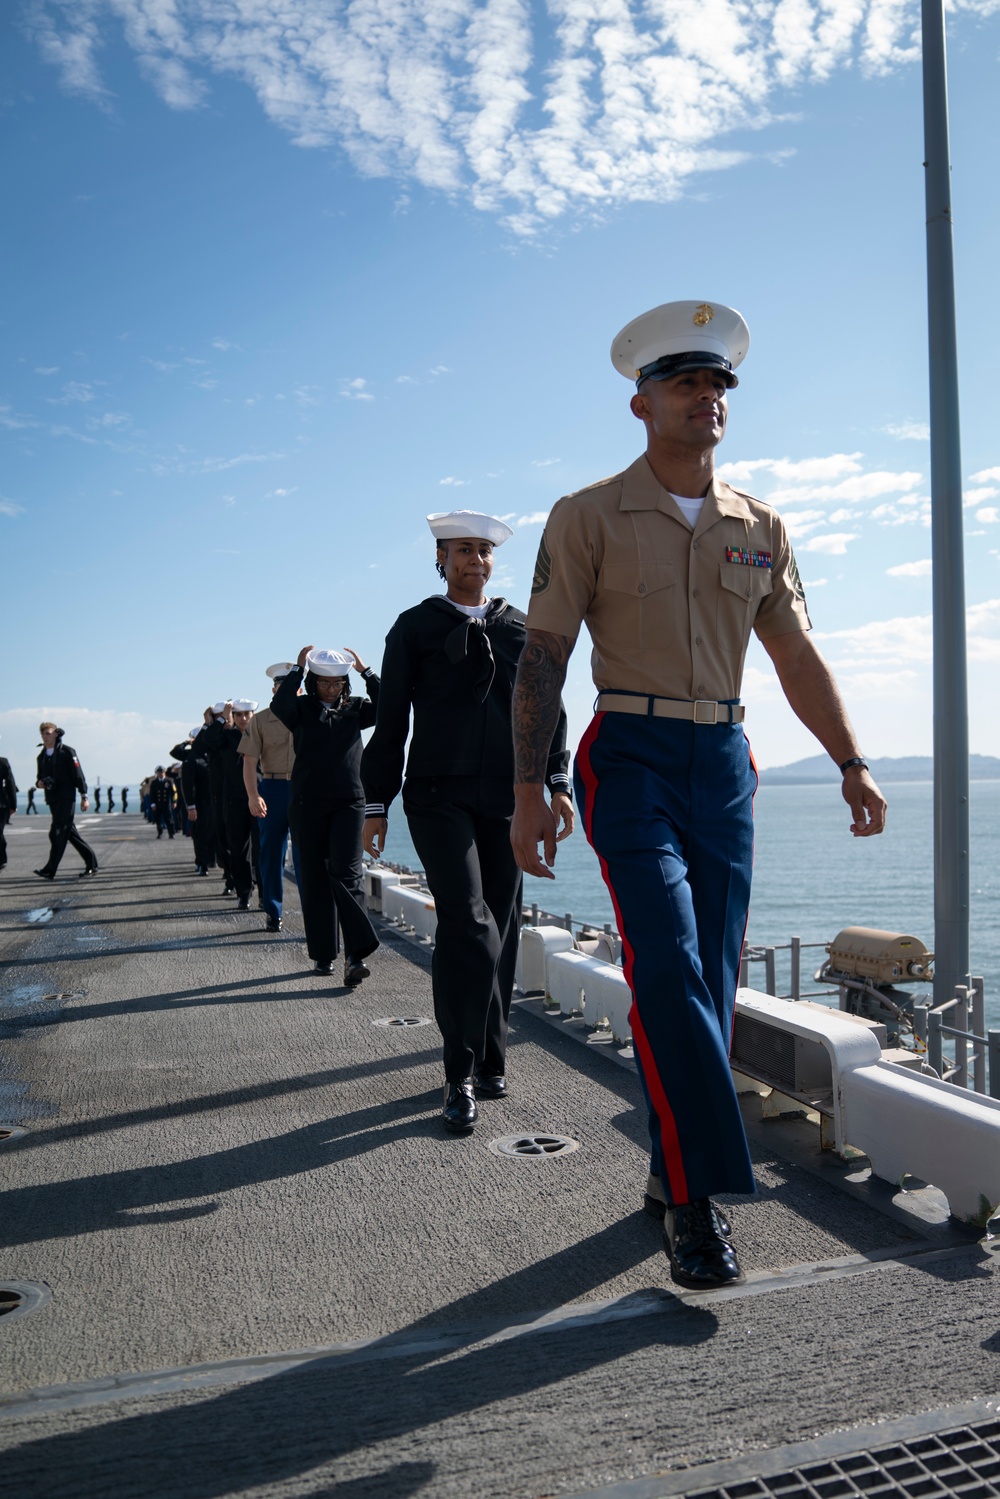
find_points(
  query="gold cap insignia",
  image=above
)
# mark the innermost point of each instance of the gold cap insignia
(702, 315)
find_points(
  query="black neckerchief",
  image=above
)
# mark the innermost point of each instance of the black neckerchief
(469, 640)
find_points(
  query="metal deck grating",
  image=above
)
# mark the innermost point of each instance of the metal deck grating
(965, 1461)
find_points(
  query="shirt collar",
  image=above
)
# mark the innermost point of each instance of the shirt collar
(641, 490)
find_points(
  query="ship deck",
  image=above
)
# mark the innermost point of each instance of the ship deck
(272, 1273)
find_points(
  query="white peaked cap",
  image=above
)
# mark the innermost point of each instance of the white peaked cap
(329, 663)
(244, 705)
(451, 524)
(681, 336)
(280, 669)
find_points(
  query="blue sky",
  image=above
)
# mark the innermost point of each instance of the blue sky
(282, 276)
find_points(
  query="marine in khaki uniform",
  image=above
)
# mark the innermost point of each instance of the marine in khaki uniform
(268, 758)
(671, 569)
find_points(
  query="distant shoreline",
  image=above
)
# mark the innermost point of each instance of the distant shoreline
(817, 770)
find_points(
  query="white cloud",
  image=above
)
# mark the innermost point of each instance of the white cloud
(986, 476)
(223, 344)
(7, 507)
(537, 518)
(908, 640)
(351, 390)
(976, 496)
(544, 462)
(74, 391)
(52, 369)
(455, 483)
(834, 544)
(913, 431)
(802, 469)
(989, 516)
(921, 569)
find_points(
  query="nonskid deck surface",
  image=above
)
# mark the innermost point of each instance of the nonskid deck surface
(274, 1274)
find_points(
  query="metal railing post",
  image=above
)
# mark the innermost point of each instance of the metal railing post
(993, 1039)
(770, 983)
(961, 1022)
(745, 966)
(796, 972)
(934, 1041)
(978, 1027)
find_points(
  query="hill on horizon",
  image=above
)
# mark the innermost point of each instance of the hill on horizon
(819, 770)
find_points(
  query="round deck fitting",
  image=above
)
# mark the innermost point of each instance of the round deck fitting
(11, 1132)
(19, 1298)
(534, 1147)
(402, 1022)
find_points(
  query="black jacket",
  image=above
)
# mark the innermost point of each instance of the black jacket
(8, 787)
(162, 793)
(457, 674)
(327, 745)
(61, 774)
(225, 764)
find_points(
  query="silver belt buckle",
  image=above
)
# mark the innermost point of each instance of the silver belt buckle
(706, 712)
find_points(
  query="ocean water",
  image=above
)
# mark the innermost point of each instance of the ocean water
(811, 878)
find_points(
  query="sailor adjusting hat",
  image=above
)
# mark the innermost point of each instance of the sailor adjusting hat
(681, 336)
(244, 705)
(280, 669)
(450, 525)
(218, 709)
(329, 663)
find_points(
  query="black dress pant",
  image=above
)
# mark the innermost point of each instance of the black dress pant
(203, 836)
(63, 831)
(4, 817)
(240, 828)
(331, 879)
(220, 836)
(164, 819)
(460, 826)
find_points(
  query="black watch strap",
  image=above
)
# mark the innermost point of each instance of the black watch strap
(850, 764)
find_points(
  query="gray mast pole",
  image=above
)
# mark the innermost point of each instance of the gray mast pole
(951, 706)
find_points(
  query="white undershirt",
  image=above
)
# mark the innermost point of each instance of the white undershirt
(474, 611)
(690, 509)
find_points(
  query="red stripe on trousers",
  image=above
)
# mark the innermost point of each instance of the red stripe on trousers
(671, 1146)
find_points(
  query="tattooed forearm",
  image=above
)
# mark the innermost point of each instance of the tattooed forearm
(541, 673)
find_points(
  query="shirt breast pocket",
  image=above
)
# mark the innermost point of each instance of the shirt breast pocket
(638, 578)
(740, 595)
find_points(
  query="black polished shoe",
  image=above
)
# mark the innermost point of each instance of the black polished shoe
(355, 969)
(243, 904)
(460, 1113)
(700, 1253)
(45, 874)
(324, 968)
(273, 924)
(198, 869)
(490, 1085)
(85, 873)
(655, 1204)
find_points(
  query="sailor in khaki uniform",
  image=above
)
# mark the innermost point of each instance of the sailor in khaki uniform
(671, 569)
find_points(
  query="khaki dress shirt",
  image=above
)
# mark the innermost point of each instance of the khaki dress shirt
(267, 740)
(669, 610)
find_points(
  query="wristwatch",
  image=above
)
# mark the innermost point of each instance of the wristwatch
(850, 764)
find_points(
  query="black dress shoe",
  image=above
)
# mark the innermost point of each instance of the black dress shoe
(490, 1084)
(354, 971)
(324, 968)
(84, 873)
(460, 1113)
(243, 904)
(273, 924)
(45, 874)
(701, 1255)
(655, 1204)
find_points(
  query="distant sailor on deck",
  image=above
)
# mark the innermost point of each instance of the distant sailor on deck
(326, 810)
(8, 804)
(268, 757)
(60, 776)
(671, 569)
(452, 660)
